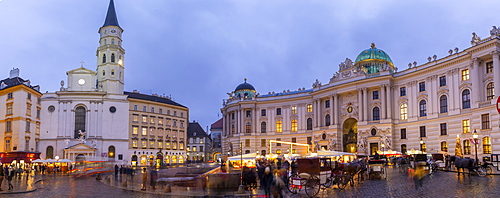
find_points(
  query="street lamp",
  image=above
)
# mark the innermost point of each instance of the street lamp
(421, 144)
(383, 147)
(475, 136)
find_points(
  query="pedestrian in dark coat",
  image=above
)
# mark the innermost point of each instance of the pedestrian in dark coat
(116, 170)
(1, 177)
(10, 175)
(268, 181)
(152, 178)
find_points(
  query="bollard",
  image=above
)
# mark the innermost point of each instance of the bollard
(167, 189)
(124, 184)
(241, 189)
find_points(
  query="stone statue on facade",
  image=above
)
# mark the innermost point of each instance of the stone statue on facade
(361, 144)
(82, 136)
(331, 144)
(495, 31)
(475, 39)
(386, 141)
(94, 143)
(67, 141)
(316, 84)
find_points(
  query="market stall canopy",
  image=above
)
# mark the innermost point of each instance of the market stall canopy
(245, 157)
(38, 161)
(334, 153)
(65, 161)
(49, 160)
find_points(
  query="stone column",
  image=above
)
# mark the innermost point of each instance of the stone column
(390, 103)
(383, 100)
(333, 108)
(360, 104)
(476, 92)
(496, 72)
(365, 104)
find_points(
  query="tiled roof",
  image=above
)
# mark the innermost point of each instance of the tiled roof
(195, 127)
(11, 82)
(152, 98)
(217, 125)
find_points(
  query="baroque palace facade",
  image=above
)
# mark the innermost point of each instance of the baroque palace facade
(369, 106)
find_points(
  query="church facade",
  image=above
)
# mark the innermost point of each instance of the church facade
(370, 107)
(91, 117)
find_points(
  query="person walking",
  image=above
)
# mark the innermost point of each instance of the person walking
(10, 174)
(268, 181)
(1, 177)
(152, 178)
(144, 178)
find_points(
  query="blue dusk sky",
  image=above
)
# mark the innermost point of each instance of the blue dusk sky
(196, 51)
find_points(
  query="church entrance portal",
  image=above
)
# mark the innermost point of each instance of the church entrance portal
(350, 135)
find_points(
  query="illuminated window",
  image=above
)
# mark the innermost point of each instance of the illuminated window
(135, 118)
(465, 74)
(134, 143)
(263, 142)
(135, 130)
(309, 108)
(467, 147)
(279, 126)
(160, 144)
(144, 119)
(489, 67)
(487, 145)
(466, 126)
(9, 109)
(144, 131)
(152, 120)
(278, 151)
(181, 146)
(143, 143)
(404, 111)
(444, 146)
(247, 143)
(294, 125)
(151, 144)
(490, 91)
(160, 121)
(167, 145)
(294, 110)
(423, 147)
(152, 131)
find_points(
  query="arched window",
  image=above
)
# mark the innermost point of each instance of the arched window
(443, 104)
(465, 99)
(111, 153)
(444, 146)
(404, 111)
(327, 120)
(113, 74)
(309, 124)
(466, 147)
(112, 41)
(490, 91)
(248, 127)
(103, 72)
(263, 127)
(112, 58)
(423, 108)
(279, 126)
(103, 58)
(50, 153)
(294, 125)
(80, 115)
(376, 113)
(403, 148)
(486, 145)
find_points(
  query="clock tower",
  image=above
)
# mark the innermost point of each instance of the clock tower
(110, 55)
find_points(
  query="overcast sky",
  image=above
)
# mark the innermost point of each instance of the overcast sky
(198, 50)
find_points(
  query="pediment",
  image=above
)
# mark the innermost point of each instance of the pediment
(81, 70)
(81, 146)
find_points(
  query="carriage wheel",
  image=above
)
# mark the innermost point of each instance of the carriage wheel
(290, 185)
(481, 171)
(342, 180)
(312, 186)
(329, 182)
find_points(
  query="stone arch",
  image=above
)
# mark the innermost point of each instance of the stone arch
(349, 135)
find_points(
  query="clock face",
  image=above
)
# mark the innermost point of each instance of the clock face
(81, 81)
(349, 109)
(113, 31)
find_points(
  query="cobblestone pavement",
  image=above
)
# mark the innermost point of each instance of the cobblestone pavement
(440, 184)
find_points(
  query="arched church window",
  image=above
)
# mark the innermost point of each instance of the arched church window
(104, 72)
(112, 58)
(80, 115)
(50, 153)
(104, 58)
(111, 152)
(112, 72)
(112, 41)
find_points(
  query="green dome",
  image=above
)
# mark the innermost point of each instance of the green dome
(372, 59)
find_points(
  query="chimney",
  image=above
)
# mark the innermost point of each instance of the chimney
(14, 73)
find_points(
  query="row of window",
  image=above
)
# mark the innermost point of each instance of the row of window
(443, 128)
(152, 131)
(154, 120)
(160, 110)
(278, 126)
(196, 140)
(8, 126)
(466, 146)
(158, 144)
(9, 110)
(263, 112)
(28, 96)
(194, 149)
(26, 145)
(443, 104)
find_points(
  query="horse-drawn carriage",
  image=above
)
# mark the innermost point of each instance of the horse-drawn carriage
(377, 169)
(314, 173)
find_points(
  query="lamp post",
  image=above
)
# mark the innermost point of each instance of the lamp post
(421, 144)
(475, 136)
(383, 147)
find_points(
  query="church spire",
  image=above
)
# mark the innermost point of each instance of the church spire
(111, 18)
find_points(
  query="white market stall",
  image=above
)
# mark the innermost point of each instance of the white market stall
(235, 162)
(336, 155)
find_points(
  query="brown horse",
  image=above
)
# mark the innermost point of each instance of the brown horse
(356, 167)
